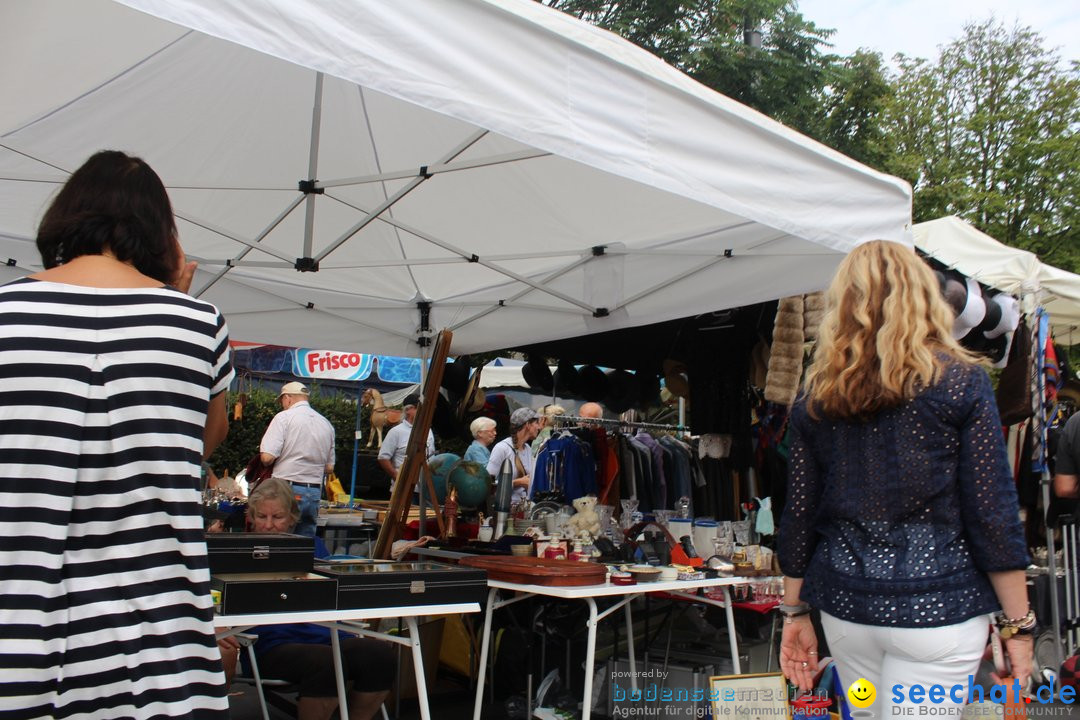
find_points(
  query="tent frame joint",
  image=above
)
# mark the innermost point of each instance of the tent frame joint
(601, 312)
(307, 264)
(598, 250)
(424, 306)
(310, 187)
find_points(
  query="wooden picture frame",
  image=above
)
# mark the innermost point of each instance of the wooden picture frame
(761, 696)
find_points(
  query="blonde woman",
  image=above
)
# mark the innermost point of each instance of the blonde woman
(901, 524)
(547, 424)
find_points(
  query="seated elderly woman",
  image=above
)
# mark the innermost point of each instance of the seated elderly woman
(301, 653)
(483, 432)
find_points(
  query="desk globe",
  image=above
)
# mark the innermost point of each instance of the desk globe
(469, 478)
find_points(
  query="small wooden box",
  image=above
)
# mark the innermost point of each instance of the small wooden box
(243, 593)
(404, 584)
(259, 552)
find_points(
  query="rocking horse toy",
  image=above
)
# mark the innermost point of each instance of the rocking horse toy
(381, 416)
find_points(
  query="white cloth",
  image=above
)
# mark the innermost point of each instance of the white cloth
(396, 442)
(302, 443)
(505, 449)
(888, 656)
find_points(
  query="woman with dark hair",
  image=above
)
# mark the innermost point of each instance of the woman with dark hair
(111, 396)
(301, 653)
(901, 524)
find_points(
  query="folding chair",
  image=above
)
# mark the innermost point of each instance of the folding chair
(278, 688)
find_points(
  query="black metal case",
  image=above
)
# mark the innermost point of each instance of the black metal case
(243, 593)
(404, 584)
(259, 552)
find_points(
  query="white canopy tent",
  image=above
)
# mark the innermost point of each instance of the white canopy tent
(493, 166)
(958, 245)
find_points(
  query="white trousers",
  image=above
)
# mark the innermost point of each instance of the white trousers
(890, 656)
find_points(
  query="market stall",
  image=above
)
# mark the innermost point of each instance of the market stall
(360, 175)
(345, 182)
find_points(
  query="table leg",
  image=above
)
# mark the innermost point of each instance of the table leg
(339, 672)
(590, 658)
(630, 646)
(484, 643)
(418, 668)
(732, 640)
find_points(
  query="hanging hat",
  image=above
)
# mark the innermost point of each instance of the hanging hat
(538, 375)
(473, 399)
(997, 349)
(593, 383)
(1010, 315)
(955, 293)
(973, 313)
(456, 377)
(991, 318)
(443, 422)
(566, 379)
(941, 278)
(675, 378)
(648, 390)
(622, 391)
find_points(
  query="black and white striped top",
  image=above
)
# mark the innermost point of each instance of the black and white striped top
(104, 590)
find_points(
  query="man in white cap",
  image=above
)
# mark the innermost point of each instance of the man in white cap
(524, 427)
(300, 443)
(392, 450)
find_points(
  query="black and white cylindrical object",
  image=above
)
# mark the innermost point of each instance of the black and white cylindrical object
(504, 488)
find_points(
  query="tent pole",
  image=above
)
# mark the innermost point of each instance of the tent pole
(1042, 331)
(313, 166)
(357, 435)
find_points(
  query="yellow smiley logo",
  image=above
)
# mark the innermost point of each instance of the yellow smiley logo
(862, 692)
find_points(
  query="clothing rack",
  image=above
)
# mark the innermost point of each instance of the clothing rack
(607, 422)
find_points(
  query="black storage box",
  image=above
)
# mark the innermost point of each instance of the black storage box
(259, 552)
(243, 593)
(404, 584)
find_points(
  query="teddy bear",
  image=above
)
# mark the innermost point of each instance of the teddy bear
(586, 519)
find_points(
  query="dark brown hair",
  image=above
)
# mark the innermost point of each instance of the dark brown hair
(114, 202)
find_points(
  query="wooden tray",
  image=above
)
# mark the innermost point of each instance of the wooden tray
(538, 571)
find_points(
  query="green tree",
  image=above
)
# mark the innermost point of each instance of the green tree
(988, 132)
(259, 408)
(857, 91)
(763, 53)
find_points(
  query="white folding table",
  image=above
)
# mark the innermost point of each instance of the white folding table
(589, 593)
(348, 620)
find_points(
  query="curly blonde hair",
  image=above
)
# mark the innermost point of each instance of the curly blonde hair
(886, 335)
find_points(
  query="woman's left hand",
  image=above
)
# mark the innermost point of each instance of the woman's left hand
(798, 652)
(1019, 650)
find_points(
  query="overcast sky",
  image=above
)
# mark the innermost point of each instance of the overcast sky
(918, 27)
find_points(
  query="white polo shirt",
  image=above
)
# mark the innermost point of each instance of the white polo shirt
(302, 441)
(396, 442)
